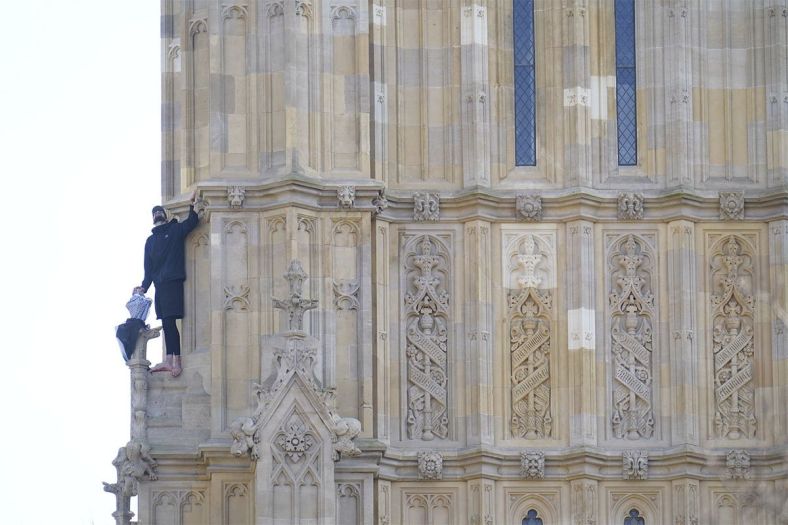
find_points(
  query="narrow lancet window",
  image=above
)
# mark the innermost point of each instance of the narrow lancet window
(524, 84)
(626, 101)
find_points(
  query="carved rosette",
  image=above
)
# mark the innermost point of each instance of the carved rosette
(635, 464)
(530, 316)
(630, 206)
(426, 319)
(430, 465)
(733, 319)
(529, 207)
(737, 462)
(732, 205)
(532, 464)
(630, 264)
(426, 206)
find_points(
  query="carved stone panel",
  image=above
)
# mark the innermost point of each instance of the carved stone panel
(731, 205)
(532, 464)
(631, 265)
(430, 465)
(426, 207)
(635, 464)
(530, 316)
(426, 322)
(733, 337)
(630, 206)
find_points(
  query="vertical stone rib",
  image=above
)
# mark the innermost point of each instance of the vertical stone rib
(576, 85)
(778, 265)
(581, 329)
(475, 86)
(682, 293)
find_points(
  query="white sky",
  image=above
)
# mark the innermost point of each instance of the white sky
(79, 172)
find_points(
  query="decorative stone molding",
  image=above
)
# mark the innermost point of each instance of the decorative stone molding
(426, 207)
(530, 330)
(430, 465)
(738, 464)
(380, 202)
(346, 196)
(346, 294)
(632, 308)
(733, 323)
(732, 205)
(529, 207)
(635, 464)
(532, 464)
(236, 196)
(630, 206)
(426, 334)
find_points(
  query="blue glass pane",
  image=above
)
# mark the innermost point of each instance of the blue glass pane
(634, 518)
(524, 84)
(532, 519)
(626, 101)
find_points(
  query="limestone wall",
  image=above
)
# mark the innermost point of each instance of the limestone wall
(576, 339)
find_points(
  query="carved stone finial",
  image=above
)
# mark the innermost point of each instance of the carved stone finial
(426, 206)
(236, 196)
(529, 207)
(732, 205)
(635, 464)
(738, 464)
(295, 305)
(346, 195)
(430, 465)
(532, 464)
(630, 206)
(380, 202)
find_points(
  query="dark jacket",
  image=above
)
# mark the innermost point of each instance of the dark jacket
(165, 253)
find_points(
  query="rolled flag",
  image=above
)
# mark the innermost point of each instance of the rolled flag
(128, 332)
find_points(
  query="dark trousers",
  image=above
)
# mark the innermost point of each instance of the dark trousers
(172, 338)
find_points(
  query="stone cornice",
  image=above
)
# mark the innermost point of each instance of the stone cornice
(495, 205)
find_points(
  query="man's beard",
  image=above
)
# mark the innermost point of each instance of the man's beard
(159, 218)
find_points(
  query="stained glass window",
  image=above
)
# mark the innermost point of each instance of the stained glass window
(524, 84)
(634, 518)
(626, 103)
(532, 518)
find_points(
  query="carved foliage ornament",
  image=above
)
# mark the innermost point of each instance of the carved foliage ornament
(630, 264)
(295, 305)
(630, 206)
(635, 464)
(731, 205)
(426, 206)
(529, 207)
(426, 320)
(532, 464)
(733, 319)
(738, 464)
(530, 316)
(430, 465)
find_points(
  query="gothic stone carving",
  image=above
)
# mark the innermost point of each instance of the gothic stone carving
(630, 206)
(532, 464)
(430, 465)
(295, 305)
(236, 196)
(731, 205)
(733, 319)
(297, 356)
(426, 206)
(426, 321)
(346, 195)
(346, 294)
(635, 464)
(630, 263)
(530, 316)
(529, 207)
(133, 464)
(380, 202)
(738, 464)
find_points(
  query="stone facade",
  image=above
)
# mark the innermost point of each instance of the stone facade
(483, 342)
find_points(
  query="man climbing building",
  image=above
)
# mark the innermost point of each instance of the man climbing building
(165, 267)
